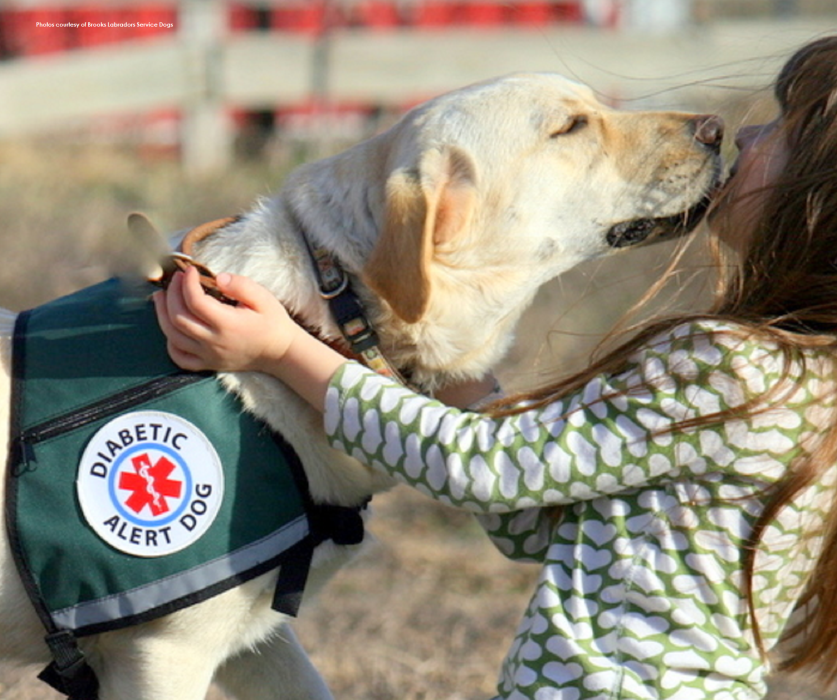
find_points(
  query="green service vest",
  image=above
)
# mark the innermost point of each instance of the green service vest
(136, 489)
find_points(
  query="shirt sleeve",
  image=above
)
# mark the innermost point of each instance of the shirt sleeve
(610, 436)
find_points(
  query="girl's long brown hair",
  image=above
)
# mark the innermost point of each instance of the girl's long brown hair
(783, 288)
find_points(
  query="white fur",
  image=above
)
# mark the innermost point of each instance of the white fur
(511, 197)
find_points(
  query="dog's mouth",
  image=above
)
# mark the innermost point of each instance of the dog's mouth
(636, 231)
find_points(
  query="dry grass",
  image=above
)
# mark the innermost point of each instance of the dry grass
(64, 208)
(428, 613)
(431, 609)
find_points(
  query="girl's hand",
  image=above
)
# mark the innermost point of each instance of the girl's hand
(204, 334)
(256, 334)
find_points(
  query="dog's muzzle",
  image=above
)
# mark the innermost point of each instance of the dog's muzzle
(636, 231)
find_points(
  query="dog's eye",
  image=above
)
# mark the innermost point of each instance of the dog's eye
(573, 124)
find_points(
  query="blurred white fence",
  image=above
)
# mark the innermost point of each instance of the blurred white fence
(202, 70)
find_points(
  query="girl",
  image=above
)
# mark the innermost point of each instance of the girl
(679, 493)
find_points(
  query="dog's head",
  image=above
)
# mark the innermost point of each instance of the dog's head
(524, 177)
(455, 217)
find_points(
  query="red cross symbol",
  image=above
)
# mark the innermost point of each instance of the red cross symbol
(150, 485)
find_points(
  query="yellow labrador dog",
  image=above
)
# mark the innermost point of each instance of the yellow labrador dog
(447, 224)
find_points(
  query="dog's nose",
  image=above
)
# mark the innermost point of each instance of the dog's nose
(709, 129)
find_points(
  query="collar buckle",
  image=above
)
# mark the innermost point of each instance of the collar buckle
(347, 311)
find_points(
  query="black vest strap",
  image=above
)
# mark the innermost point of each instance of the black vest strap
(69, 673)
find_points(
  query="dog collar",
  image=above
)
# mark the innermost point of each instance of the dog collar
(348, 312)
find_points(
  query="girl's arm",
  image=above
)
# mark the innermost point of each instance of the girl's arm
(616, 434)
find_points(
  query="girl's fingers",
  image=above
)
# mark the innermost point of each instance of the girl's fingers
(244, 290)
(185, 360)
(199, 304)
(184, 314)
(191, 292)
(181, 332)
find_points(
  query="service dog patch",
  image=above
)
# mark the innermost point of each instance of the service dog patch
(150, 483)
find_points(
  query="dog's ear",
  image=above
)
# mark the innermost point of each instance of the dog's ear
(422, 213)
(146, 247)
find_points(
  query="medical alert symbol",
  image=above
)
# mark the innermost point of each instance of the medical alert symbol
(150, 483)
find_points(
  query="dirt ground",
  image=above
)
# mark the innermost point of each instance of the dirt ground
(429, 611)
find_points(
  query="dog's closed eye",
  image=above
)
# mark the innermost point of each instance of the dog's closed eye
(573, 124)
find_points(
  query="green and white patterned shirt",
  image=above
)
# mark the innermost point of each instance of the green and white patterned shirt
(640, 595)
